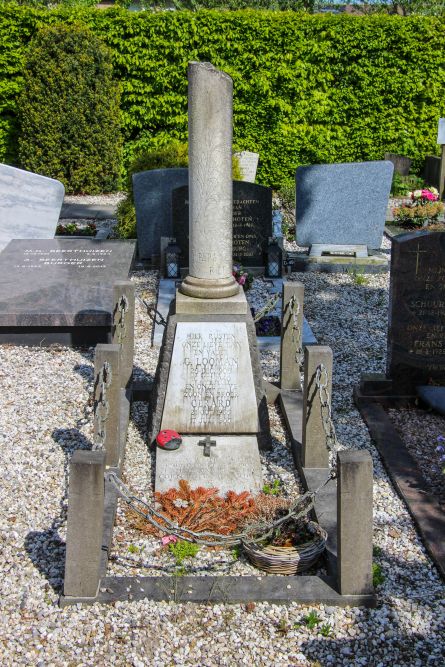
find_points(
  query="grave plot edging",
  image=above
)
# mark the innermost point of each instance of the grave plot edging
(405, 475)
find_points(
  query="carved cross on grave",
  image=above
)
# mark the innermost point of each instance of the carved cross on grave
(207, 443)
(417, 252)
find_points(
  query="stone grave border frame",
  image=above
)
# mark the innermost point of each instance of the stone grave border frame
(92, 508)
(371, 397)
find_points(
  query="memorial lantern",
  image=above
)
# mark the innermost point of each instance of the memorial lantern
(172, 253)
(274, 259)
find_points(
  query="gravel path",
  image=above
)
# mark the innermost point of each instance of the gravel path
(45, 414)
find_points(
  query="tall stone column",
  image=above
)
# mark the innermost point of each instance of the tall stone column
(210, 183)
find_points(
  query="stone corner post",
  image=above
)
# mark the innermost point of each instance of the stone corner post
(85, 524)
(354, 522)
(107, 395)
(291, 334)
(123, 326)
(315, 453)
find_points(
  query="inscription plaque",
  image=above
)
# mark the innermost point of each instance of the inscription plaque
(416, 335)
(210, 387)
(252, 222)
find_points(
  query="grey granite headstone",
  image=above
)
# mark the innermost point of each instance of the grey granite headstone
(152, 199)
(30, 205)
(416, 336)
(342, 204)
(60, 290)
(252, 222)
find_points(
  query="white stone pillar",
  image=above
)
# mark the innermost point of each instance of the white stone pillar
(210, 183)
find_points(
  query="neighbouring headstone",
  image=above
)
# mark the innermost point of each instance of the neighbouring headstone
(30, 205)
(342, 204)
(248, 163)
(441, 131)
(402, 164)
(416, 334)
(60, 290)
(252, 222)
(152, 192)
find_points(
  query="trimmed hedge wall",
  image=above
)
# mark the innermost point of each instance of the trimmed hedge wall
(307, 88)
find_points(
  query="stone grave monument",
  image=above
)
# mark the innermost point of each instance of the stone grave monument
(248, 163)
(252, 223)
(30, 205)
(416, 331)
(208, 382)
(340, 214)
(152, 191)
(60, 290)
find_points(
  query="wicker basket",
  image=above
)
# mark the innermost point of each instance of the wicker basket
(288, 560)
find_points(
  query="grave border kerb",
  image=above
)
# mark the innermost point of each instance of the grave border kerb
(401, 467)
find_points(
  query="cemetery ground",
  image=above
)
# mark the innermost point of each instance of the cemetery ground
(46, 413)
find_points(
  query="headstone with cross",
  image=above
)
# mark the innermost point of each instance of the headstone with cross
(416, 336)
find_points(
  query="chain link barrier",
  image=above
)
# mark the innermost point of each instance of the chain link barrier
(297, 337)
(321, 381)
(153, 313)
(121, 325)
(101, 405)
(267, 308)
(253, 533)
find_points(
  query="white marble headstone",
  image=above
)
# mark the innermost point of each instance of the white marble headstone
(30, 205)
(248, 163)
(210, 387)
(441, 131)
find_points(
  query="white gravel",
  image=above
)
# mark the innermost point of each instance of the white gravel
(45, 413)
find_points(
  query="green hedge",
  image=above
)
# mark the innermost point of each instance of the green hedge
(69, 112)
(307, 88)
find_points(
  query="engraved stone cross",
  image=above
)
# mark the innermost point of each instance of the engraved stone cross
(207, 443)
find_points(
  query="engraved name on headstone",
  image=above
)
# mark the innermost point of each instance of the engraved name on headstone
(252, 222)
(210, 385)
(60, 290)
(416, 337)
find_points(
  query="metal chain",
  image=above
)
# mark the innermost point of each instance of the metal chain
(101, 405)
(153, 313)
(122, 309)
(321, 381)
(267, 308)
(294, 307)
(253, 533)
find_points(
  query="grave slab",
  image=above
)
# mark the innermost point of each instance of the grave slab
(30, 205)
(60, 290)
(342, 204)
(210, 386)
(152, 191)
(233, 464)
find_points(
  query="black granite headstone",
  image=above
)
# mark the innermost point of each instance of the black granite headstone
(60, 290)
(152, 194)
(252, 222)
(416, 336)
